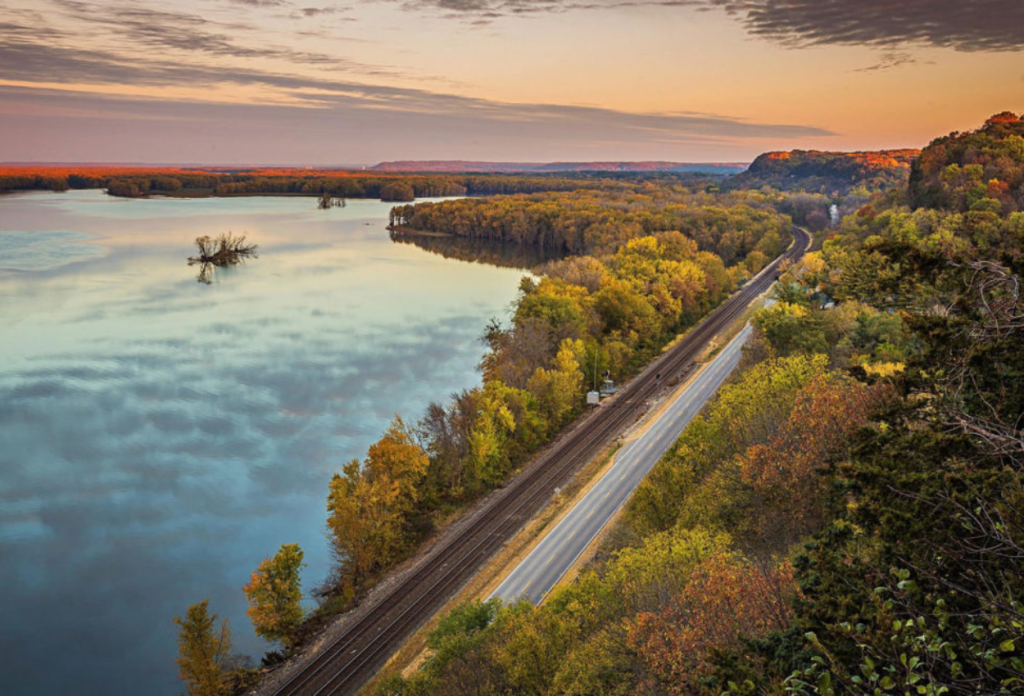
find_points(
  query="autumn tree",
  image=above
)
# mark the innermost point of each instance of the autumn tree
(371, 505)
(445, 430)
(364, 522)
(783, 479)
(275, 595)
(492, 433)
(399, 191)
(782, 546)
(559, 390)
(690, 482)
(513, 354)
(726, 599)
(204, 651)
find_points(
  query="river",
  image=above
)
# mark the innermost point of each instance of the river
(160, 436)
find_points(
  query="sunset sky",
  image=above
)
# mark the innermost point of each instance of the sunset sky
(289, 82)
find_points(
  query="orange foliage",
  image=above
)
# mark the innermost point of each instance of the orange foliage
(882, 159)
(784, 472)
(726, 598)
(1004, 117)
(275, 595)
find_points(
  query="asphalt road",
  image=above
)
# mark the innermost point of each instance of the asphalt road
(554, 555)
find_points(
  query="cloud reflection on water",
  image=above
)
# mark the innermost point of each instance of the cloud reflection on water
(158, 438)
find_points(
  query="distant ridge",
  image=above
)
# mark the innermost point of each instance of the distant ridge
(826, 172)
(464, 167)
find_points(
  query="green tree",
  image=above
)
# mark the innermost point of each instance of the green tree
(791, 328)
(489, 440)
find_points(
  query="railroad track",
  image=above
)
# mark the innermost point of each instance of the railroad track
(355, 656)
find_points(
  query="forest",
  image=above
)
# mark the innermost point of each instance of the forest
(846, 516)
(600, 221)
(138, 182)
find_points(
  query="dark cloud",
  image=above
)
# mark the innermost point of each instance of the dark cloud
(321, 11)
(964, 25)
(34, 32)
(27, 60)
(258, 3)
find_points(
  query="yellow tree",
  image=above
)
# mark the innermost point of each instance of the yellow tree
(204, 652)
(370, 504)
(399, 458)
(488, 442)
(560, 389)
(275, 595)
(364, 521)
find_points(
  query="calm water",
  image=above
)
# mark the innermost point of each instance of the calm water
(159, 437)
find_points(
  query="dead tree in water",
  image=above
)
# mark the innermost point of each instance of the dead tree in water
(327, 201)
(227, 249)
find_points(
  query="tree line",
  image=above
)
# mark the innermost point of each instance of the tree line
(138, 182)
(590, 221)
(585, 315)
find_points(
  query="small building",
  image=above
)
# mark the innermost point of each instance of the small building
(608, 388)
(593, 398)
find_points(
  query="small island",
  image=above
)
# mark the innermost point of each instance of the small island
(227, 249)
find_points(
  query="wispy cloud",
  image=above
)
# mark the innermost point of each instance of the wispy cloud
(361, 123)
(482, 12)
(321, 11)
(160, 30)
(259, 3)
(889, 60)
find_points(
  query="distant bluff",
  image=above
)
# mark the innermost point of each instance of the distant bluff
(828, 172)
